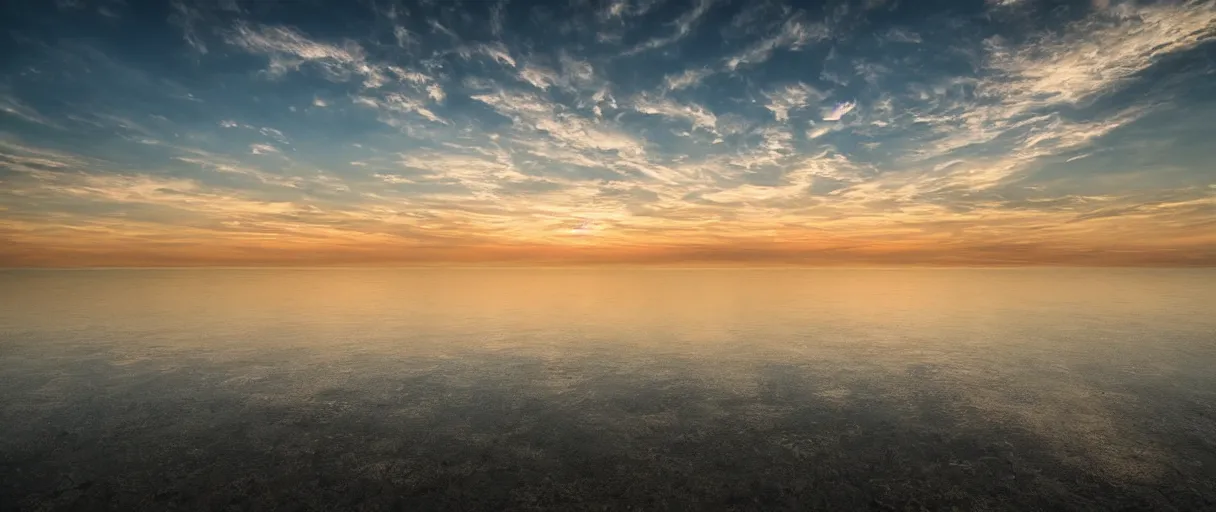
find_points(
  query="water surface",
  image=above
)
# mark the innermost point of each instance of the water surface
(612, 389)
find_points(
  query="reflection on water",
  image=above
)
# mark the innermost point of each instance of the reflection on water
(608, 388)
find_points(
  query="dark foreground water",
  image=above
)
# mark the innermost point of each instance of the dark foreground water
(479, 389)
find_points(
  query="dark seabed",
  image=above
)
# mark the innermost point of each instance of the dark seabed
(482, 389)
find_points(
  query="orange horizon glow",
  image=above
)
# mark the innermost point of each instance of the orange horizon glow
(735, 255)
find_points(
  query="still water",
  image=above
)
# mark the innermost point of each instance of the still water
(459, 389)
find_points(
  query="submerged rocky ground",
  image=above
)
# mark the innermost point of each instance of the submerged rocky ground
(498, 432)
(500, 389)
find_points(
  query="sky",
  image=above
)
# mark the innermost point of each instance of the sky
(299, 132)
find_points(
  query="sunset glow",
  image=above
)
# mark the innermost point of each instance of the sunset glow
(623, 131)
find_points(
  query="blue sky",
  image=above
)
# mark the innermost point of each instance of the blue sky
(878, 131)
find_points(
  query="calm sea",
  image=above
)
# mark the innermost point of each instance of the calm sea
(569, 389)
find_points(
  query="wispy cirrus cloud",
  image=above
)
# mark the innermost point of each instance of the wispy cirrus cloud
(1092, 55)
(11, 106)
(682, 27)
(399, 103)
(188, 19)
(839, 111)
(288, 50)
(262, 149)
(616, 9)
(697, 115)
(790, 97)
(1020, 100)
(791, 34)
(685, 79)
(532, 113)
(495, 51)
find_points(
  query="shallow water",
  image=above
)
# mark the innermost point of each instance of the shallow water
(608, 389)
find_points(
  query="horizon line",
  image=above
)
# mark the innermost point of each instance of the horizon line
(599, 265)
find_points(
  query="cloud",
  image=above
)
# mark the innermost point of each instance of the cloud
(230, 165)
(1093, 56)
(482, 175)
(412, 77)
(617, 9)
(687, 78)
(577, 71)
(393, 179)
(496, 51)
(819, 131)
(539, 77)
(839, 111)
(13, 107)
(793, 34)
(39, 163)
(569, 129)
(697, 115)
(899, 35)
(265, 131)
(683, 27)
(262, 149)
(187, 19)
(497, 13)
(288, 49)
(180, 194)
(274, 134)
(396, 103)
(790, 97)
(404, 37)
(614, 9)
(1020, 97)
(435, 92)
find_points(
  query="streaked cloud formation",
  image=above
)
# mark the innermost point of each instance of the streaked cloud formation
(674, 131)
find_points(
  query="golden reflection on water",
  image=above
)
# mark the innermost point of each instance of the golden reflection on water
(643, 300)
(1074, 357)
